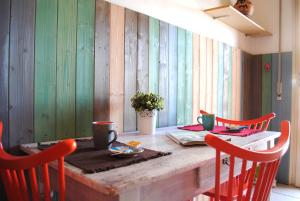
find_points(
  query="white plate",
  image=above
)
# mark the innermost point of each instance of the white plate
(125, 151)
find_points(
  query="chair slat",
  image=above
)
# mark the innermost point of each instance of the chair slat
(242, 178)
(259, 181)
(34, 185)
(46, 181)
(217, 177)
(61, 178)
(231, 180)
(23, 185)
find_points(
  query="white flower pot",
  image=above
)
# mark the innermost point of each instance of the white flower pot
(146, 121)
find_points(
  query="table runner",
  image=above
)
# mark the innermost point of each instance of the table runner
(90, 160)
(222, 130)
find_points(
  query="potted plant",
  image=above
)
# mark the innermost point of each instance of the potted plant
(146, 105)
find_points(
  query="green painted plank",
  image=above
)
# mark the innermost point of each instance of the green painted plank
(189, 78)
(220, 79)
(181, 55)
(229, 91)
(266, 85)
(143, 53)
(153, 54)
(85, 67)
(172, 119)
(45, 70)
(66, 68)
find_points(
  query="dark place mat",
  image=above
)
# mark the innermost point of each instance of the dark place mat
(90, 160)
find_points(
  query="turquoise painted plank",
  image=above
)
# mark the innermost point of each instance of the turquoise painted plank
(45, 70)
(66, 69)
(85, 67)
(266, 84)
(153, 54)
(181, 89)
(189, 78)
(229, 96)
(220, 79)
(172, 119)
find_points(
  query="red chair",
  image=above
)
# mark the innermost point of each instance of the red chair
(261, 123)
(14, 168)
(268, 162)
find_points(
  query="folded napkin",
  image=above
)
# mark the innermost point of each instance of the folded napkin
(222, 130)
(196, 127)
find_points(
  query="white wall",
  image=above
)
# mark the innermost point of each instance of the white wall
(267, 15)
(187, 14)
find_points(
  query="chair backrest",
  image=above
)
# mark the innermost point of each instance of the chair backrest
(261, 123)
(20, 174)
(267, 160)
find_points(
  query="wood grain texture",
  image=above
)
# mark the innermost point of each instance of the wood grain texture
(181, 93)
(143, 53)
(220, 79)
(153, 54)
(163, 87)
(266, 106)
(189, 78)
(66, 69)
(196, 76)
(116, 60)
(215, 67)
(85, 67)
(45, 70)
(150, 185)
(283, 107)
(226, 80)
(101, 83)
(239, 84)
(209, 70)
(130, 69)
(256, 84)
(172, 119)
(21, 74)
(203, 69)
(252, 86)
(4, 68)
(234, 74)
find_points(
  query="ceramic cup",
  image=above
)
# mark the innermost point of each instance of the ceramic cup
(104, 134)
(207, 121)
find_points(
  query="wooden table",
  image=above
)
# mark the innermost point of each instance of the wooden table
(187, 172)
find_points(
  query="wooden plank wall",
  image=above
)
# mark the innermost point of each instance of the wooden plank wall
(84, 60)
(4, 67)
(21, 72)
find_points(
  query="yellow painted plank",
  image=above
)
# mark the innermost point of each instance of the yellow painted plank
(215, 67)
(116, 72)
(202, 80)
(239, 85)
(209, 70)
(234, 83)
(196, 74)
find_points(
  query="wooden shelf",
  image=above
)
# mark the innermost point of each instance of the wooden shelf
(232, 17)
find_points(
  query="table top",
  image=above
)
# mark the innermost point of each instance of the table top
(182, 159)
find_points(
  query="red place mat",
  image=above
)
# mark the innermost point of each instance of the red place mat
(222, 130)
